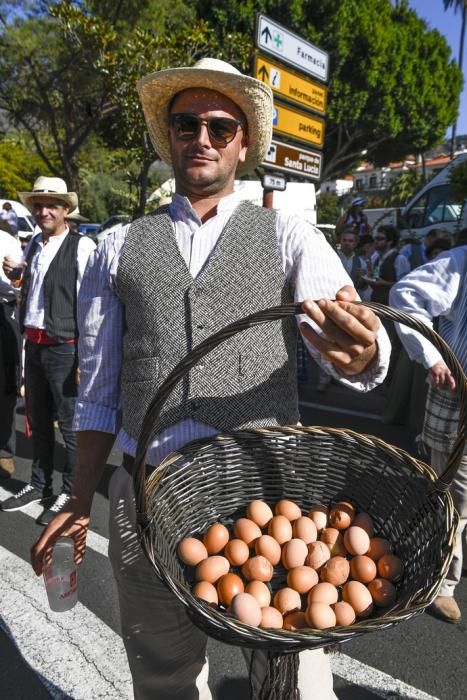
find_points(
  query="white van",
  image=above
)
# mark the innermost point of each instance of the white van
(26, 221)
(434, 206)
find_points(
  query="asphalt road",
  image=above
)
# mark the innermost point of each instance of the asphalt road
(79, 655)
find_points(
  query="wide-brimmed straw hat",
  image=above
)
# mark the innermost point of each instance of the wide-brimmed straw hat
(52, 188)
(252, 96)
(75, 215)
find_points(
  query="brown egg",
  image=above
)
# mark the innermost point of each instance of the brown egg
(294, 553)
(215, 538)
(286, 600)
(206, 591)
(345, 614)
(359, 597)
(258, 569)
(228, 586)
(390, 567)
(383, 592)
(191, 551)
(212, 568)
(336, 571)
(260, 591)
(246, 609)
(318, 554)
(288, 509)
(378, 547)
(341, 515)
(304, 529)
(237, 552)
(323, 593)
(356, 540)
(320, 616)
(319, 515)
(302, 578)
(295, 621)
(280, 528)
(364, 521)
(246, 530)
(268, 547)
(259, 512)
(334, 540)
(271, 619)
(362, 568)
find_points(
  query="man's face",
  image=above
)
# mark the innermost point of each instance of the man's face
(348, 243)
(381, 242)
(202, 166)
(49, 215)
(7, 206)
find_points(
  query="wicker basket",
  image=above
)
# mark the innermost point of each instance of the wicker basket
(213, 480)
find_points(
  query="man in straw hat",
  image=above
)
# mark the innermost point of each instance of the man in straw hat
(163, 285)
(51, 272)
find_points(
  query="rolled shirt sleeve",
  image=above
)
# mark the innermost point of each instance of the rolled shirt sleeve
(427, 292)
(316, 272)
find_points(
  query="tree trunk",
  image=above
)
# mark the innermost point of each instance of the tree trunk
(140, 207)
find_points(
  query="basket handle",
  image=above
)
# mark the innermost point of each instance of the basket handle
(281, 312)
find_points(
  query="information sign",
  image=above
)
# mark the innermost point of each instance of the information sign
(284, 83)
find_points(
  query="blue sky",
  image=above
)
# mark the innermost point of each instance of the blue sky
(448, 23)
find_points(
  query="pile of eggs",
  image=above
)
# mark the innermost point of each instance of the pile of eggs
(328, 568)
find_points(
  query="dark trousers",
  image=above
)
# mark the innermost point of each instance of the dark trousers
(10, 377)
(50, 381)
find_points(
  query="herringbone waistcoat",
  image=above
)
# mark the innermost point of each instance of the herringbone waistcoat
(250, 379)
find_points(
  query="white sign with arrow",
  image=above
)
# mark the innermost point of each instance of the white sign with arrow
(290, 48)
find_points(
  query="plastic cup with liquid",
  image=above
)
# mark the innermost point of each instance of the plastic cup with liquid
(61, 576)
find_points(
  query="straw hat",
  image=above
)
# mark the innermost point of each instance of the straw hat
(76, 216)
(252, 96)
(52, 188)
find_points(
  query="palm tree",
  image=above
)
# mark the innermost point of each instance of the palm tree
(462, 6)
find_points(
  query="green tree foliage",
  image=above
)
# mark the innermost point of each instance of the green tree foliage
(19, 166)
(328, 209)
(458, 180)
(402, 188)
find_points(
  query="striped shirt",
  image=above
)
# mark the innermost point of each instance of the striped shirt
(314, 271)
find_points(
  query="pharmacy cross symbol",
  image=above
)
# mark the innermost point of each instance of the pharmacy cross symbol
(278, 41)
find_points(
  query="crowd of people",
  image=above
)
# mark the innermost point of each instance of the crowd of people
(103, 326)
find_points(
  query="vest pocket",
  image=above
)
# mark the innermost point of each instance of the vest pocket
(145, 369)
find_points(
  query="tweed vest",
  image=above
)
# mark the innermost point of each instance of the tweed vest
(248, 380)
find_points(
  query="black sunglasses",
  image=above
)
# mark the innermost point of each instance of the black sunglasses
(221, 130)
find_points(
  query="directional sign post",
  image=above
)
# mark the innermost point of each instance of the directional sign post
(299, 162)
(290, 48)
(284, 83)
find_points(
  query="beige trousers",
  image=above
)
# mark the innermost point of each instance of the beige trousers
(459, 496)
(166, 652)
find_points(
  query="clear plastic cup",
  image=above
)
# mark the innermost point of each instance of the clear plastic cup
(61, 576)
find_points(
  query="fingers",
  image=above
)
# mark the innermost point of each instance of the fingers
(346, 293)
(64, 525)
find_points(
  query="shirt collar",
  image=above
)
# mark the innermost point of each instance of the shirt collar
(180, 207)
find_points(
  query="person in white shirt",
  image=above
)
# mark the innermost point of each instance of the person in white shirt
(10, 217)
(438, 289)
(10, 358)
(154, 290)
(50, 278)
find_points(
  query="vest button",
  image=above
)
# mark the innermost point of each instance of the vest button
(200, 326)
(195, 405)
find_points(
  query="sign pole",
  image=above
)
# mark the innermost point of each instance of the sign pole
(268, 198)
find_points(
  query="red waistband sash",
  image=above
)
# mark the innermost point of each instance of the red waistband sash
(38, 336)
